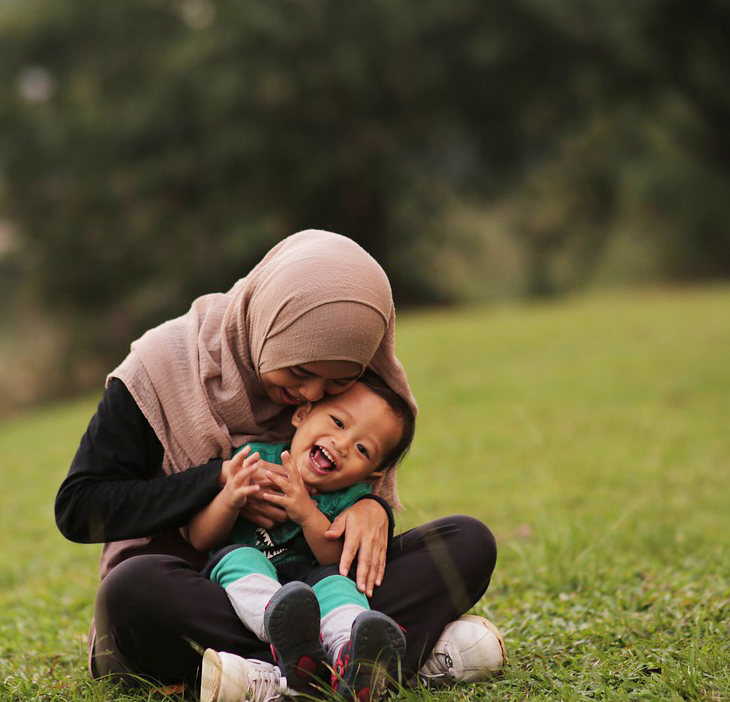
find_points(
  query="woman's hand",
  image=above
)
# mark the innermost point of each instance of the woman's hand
(365, 528)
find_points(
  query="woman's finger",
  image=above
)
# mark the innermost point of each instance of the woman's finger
(262, 513)
(337, 528)
(271, 467)
(374, 574)
(380, 570)
(365, 532)
(364, 566)
(349, 549)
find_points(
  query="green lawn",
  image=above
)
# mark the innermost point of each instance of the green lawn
(592, 436)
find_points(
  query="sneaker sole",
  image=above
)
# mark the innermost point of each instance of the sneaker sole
(210, 677)
(378, 646)
(292, 622)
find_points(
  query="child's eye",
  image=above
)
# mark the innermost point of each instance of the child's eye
(363, 450)
(337, 422)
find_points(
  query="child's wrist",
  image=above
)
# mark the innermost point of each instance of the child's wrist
(229, 502)
(307, 513)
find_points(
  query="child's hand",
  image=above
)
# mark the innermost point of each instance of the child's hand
(239, 471)
(295, 497)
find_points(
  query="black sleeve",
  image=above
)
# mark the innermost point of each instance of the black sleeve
(114, 490)
(388, 512)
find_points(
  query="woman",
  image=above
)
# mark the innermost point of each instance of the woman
(307, 320)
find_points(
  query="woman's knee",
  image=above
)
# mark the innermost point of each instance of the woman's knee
(474, 545)
(135, 589)
(470, 547)
(476, 538)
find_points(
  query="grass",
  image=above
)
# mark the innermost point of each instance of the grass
(590, 434)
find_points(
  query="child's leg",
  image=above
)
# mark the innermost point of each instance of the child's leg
(340, 603)
(250, 581)
(364, 647)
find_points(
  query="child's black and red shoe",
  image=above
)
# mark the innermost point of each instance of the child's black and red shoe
(370, 662)
(291, 621)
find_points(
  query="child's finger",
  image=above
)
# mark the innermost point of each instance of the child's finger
(279, 480)
(245, 473)
(275, 497)
(288, 463)
(246, 490)
(240, 457)
(248, 470)
(238, 460)
(252, 460)
(291, 469)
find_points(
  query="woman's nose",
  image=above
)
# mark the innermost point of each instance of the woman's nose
(313, 390)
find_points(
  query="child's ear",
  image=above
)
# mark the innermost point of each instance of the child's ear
(300, 413)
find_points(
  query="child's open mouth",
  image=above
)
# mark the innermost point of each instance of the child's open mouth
(322, 460)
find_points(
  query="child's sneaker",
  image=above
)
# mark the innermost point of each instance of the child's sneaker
(471, 649)
(291, 621)
(370, 661)
(229, 678)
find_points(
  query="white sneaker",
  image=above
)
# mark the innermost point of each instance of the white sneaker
(471, 649)
(230, 678)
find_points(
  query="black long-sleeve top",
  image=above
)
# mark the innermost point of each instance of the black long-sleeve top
(116, 490)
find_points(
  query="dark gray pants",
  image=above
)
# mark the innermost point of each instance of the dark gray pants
(156, 614)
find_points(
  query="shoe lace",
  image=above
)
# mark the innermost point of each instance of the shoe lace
(264, 686)
(437, 666)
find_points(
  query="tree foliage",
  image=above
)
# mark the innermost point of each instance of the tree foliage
(152, 150)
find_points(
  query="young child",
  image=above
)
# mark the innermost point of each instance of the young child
(341, 443)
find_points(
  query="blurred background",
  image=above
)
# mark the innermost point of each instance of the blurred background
(153, 150)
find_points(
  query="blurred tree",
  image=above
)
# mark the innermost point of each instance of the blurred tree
(689, 65)
(153, 151)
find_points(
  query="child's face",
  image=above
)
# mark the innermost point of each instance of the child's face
(310, 382)
(341, 440)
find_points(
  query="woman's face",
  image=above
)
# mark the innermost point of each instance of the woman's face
(310, 382)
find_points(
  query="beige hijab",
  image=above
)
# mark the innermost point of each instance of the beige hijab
(316, 296)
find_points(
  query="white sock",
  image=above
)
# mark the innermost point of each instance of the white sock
(249, 596)
(336, 627)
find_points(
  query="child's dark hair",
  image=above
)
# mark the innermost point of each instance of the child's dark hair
(400, 408)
